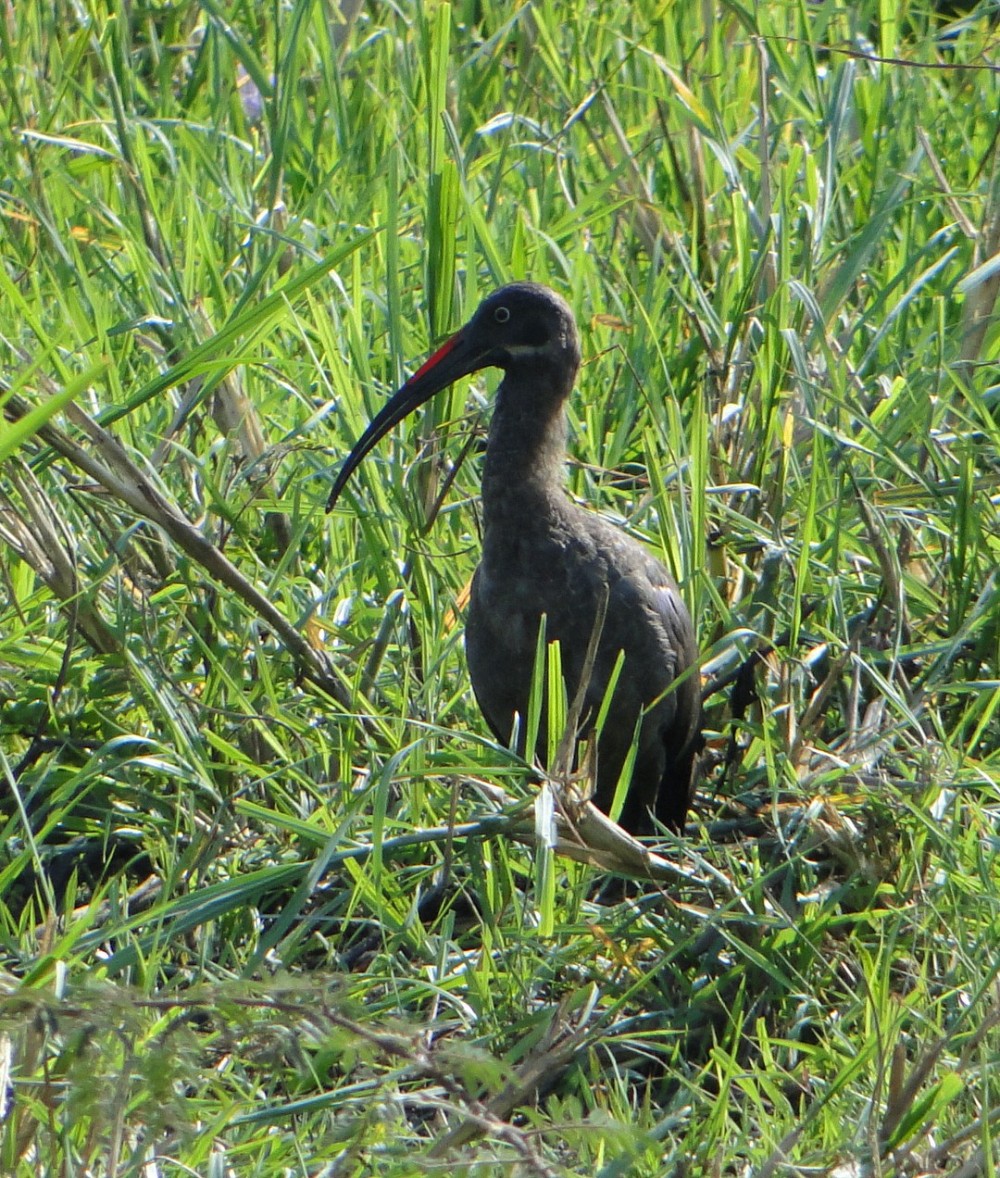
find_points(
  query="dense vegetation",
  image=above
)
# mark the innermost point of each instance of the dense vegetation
(257, 913)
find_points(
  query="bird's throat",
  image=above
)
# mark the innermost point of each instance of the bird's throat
(525, 459)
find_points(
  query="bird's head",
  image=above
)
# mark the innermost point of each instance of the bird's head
(524, 328)
(523, 324)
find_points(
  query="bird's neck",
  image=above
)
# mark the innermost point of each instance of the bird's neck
(524, 469)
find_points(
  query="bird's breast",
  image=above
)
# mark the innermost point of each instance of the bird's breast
(562, 563)
(533, 572)
(540, 569)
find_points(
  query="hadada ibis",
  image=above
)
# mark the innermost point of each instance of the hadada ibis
(544, 554)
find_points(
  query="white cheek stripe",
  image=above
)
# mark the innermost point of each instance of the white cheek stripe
(517, 350)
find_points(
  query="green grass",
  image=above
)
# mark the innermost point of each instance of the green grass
(255, 917)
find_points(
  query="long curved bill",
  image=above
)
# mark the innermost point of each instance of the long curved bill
(455, 358)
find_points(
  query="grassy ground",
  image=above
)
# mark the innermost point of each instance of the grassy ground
(255, 917)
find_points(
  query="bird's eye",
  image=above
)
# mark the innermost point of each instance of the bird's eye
(501, 314)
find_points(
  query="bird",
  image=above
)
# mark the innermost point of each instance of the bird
(545, 554)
